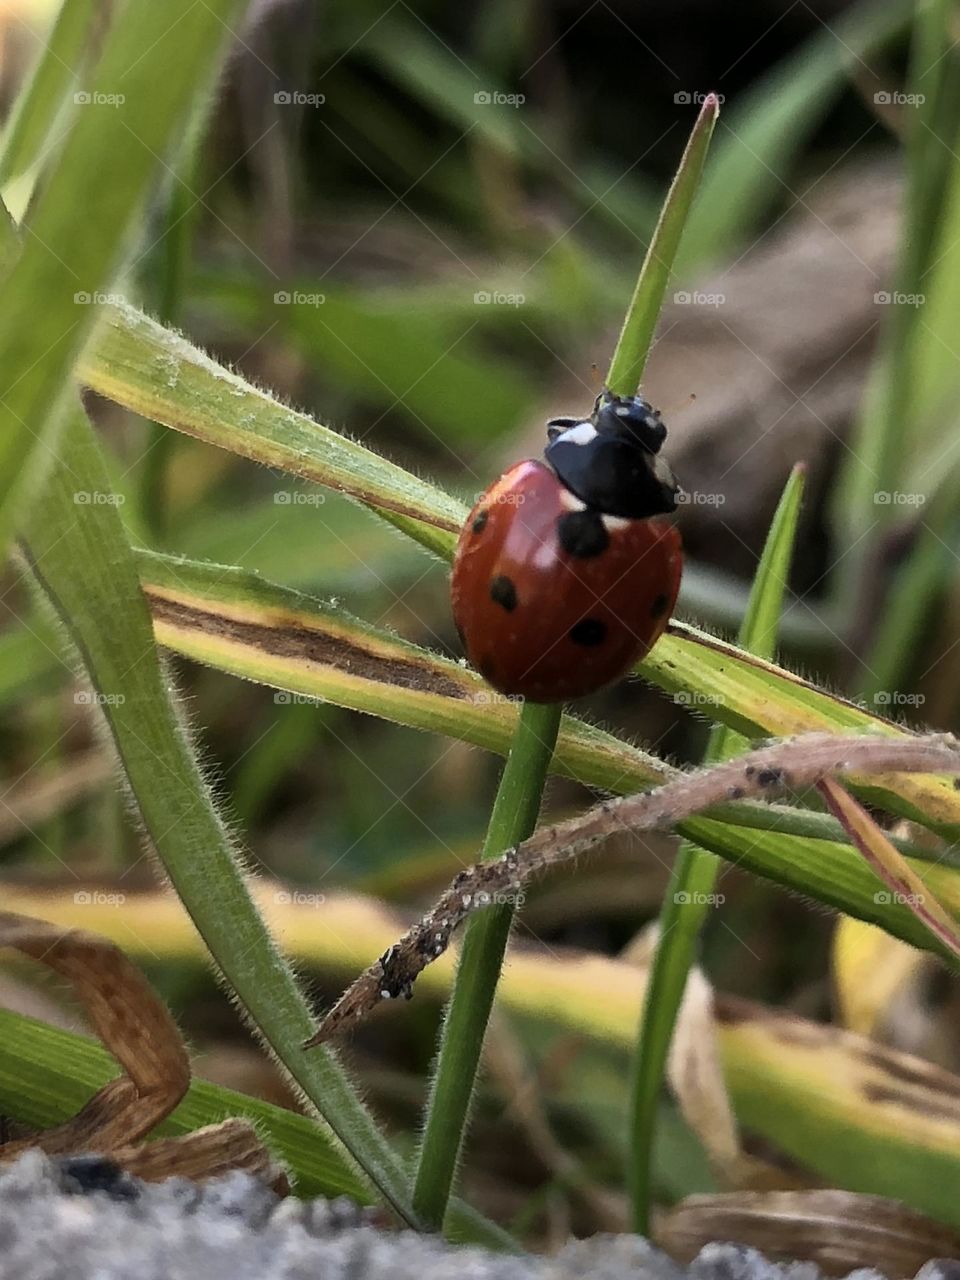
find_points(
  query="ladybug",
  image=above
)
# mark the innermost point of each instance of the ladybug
(564, 574)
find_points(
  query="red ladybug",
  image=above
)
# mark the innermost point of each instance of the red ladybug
(563, 576)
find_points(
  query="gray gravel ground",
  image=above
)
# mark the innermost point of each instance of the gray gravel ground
(53, 1226)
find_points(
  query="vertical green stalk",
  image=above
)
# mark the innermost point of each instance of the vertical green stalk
(513, 818)
(695, 872)
(521, 786)
(636, 336)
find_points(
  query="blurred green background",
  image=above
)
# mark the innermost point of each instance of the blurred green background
(423, 224)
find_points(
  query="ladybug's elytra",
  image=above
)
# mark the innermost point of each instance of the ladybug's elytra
(564, 575)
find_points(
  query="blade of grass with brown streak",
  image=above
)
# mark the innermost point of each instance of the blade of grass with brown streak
(236, 621)
(136, 362)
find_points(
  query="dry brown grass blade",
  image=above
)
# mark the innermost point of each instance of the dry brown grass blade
(138, 1029)
(788, 765)
(838, 1230)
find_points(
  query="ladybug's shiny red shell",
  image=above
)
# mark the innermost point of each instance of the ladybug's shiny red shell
(553, 600)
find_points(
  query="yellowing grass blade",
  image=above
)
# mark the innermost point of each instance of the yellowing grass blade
(870, 969)
(758, 698)
(137, 363)
(905, 885)
(861, 1116)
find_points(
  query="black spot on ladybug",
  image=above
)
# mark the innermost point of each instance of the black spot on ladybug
(583, 533)
(589, 631)
(80, 1175)
(480, 521)
(659, 606)
(504, 593)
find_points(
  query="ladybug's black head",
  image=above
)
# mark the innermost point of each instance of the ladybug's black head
(609, 460)
(631, 417)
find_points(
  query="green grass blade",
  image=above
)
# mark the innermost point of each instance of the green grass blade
(766, 125)
(513, 819)
(694, 875)
(521, 786)
(38, 105)
(138, 364)
(77, 549)
(155, 60)
(630, 356)
(47, 1075)
(888, 431)
(238, 622)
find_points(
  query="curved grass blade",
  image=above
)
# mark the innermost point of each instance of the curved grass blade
(79, 555)
(159, 374)
(38, 105)
(156, 59)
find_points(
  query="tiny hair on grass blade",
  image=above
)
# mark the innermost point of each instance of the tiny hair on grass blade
(792, 764)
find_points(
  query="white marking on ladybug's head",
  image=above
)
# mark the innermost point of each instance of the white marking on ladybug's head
(570, 500)
(582, 433)
(613, 524)
(663, 473)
